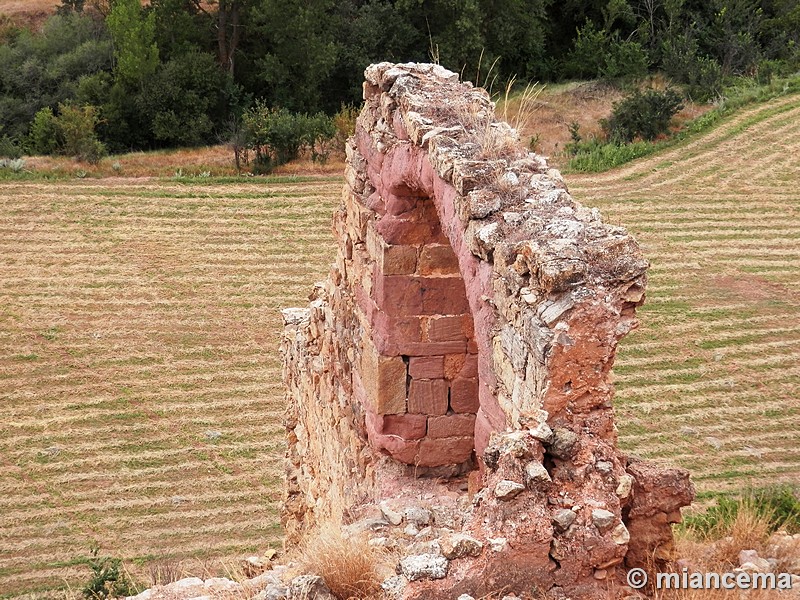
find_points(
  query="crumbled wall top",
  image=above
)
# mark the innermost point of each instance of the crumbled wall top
(519, 206)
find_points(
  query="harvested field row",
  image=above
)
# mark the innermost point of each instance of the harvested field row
(139, 369)
(710, 380)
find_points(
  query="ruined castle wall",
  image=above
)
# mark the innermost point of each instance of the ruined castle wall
(469, 325)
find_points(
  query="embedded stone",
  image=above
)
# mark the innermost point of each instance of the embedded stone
(536, 474)
(507, 490)
(624, 486)
(424, 566)
(563, 518)
(620, 534)
(563, 443)
(459, 545)
(603, 519)
(418, 515)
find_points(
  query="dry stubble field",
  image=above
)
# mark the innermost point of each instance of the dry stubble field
(140, 388)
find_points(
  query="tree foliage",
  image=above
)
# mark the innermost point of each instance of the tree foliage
(135, 49)
(178, 72)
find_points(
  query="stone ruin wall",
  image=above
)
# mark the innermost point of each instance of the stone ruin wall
(458, 357)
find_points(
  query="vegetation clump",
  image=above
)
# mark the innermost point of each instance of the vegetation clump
(108, 578)
(644, 115)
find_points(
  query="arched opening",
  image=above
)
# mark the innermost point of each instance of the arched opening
(418, 376)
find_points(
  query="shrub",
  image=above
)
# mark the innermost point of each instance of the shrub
(625, 60)
(44, 132)
(108, 579)
(682, 61)
(184, 100)
(9, 148)
(598, 53)
(277, 136)
(76, 128)
(643, 115)
(71, 133)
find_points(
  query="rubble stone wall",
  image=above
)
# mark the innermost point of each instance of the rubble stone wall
(468, 329)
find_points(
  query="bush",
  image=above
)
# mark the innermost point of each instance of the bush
(44, 132)
(598, 53)
(184, 100)
(643, 115)
(108, 580)
(277, 136)
(625, 60)
(681, 60)
(9, 148)
(71, 133)
(77, 130)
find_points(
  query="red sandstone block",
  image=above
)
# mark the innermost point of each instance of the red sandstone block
(406, 230)
(408, 427)
(446, 329)
(453, 363)
(384, 381)
(470, 368)
(398, 294)
(437, 259)
(427, 396)
(426, 367)
(443, 295)
(399, 204)
(406, 451)
(398, 260)
(445, 451)
(444, 426)
(393, 335)
(464, 395)
(432, 348)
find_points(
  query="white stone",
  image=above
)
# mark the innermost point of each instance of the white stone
(418, 516)
(620, 535)
(507, 489)
(394, 517)
(459, 545)
(498, 544)
(535, 474)
(424, 566)
(603, 519)
(624, 486)
(542, 433)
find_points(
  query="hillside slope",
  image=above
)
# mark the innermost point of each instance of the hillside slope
(711, 379)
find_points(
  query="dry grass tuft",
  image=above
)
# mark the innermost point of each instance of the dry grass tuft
(166, 571)
(349, 565)
(718, 548)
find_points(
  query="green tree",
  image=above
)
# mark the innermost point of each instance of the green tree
(298, 52)
(43, 69)
(133, 33)
(185, 100)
